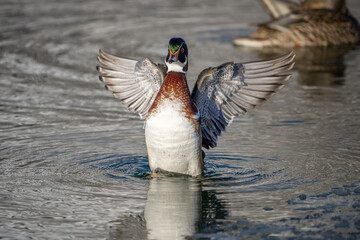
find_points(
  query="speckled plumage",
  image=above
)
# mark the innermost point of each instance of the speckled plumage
(175, 87)
(312, 23)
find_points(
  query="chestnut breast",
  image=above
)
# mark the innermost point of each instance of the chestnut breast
(175, 88)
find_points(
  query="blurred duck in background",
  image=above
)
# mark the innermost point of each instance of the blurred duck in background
(311, 23)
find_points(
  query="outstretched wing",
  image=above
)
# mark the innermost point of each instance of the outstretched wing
(223, 92)
(135, 83)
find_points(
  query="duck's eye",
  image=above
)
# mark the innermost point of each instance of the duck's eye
(182, 50)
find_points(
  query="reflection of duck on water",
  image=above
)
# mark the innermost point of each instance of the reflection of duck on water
(175, 207)
(311, 23)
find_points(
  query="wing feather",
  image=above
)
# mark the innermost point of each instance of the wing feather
(116, 81)
(135, 83)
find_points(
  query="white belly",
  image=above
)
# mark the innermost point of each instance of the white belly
(172, 142)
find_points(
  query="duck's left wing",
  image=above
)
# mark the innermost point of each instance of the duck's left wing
(223, 92)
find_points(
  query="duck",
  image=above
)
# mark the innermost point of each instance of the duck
(179, 123)
(310, 23)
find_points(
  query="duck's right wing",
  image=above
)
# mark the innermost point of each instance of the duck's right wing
(135, 83)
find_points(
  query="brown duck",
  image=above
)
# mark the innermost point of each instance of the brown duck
(310, 23)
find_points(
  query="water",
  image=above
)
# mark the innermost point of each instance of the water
(73, 161)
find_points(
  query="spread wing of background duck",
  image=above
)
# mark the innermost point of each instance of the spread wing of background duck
(310, 23)
(177, 123)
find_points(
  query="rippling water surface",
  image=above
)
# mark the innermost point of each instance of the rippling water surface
(73, 161)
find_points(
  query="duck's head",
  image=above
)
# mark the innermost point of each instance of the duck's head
(177, 57)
